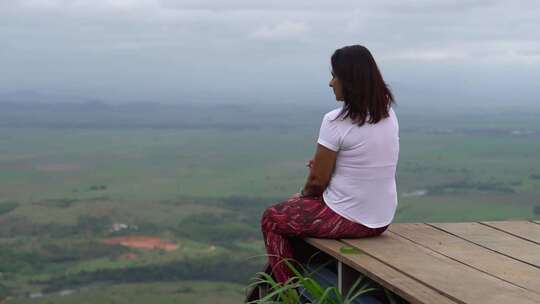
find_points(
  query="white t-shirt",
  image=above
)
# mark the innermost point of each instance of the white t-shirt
(362, 188)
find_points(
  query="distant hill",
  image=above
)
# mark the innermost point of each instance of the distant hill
(95, 113)
(31, 96)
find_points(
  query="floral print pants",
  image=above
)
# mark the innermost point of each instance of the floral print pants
(303, 217)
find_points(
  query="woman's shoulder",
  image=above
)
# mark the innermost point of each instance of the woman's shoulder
(333, 114)
(392, 114)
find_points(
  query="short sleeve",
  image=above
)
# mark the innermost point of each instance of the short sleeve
(329, 135)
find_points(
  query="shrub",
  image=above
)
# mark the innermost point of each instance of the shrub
(300, 285)
(4, 292)
(534, 176)
(93, 224)
(217, 229)
(98, 187)
(8, 207)
(219, 268)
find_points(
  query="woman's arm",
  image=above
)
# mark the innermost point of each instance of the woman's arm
(320, 171)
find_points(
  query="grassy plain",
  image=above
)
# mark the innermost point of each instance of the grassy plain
(204, 186)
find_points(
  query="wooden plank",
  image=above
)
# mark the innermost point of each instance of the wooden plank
(495, 240)
(523, 229)
(409, 289)
(503, 267)
(455, 280)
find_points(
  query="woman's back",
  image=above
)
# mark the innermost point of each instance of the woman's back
(363, 186)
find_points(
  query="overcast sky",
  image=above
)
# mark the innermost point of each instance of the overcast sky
(437, 52)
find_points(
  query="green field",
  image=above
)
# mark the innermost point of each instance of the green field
(204, 188)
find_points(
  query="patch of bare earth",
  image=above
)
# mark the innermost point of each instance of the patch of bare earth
(141, 242)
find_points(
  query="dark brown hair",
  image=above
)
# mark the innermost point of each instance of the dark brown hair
(367, 97)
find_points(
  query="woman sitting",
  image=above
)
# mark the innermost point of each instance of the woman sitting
(351, 188)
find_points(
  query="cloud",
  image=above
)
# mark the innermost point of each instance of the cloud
(432, 55)
(285, 29)
(149, 47)
(39, 4)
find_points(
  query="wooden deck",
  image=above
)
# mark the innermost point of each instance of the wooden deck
(474, 262)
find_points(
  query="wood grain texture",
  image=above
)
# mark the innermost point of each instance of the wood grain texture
(406, 287)
(523, 229)
(496, 240)
(455, 280)
(500, 266)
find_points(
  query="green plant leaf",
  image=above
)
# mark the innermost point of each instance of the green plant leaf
(349, 250)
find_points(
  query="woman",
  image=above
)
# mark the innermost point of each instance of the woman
(351, 189)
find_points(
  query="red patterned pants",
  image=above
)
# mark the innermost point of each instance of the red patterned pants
(303, 217)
